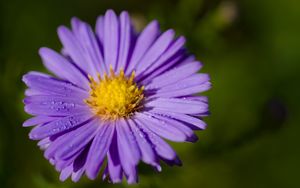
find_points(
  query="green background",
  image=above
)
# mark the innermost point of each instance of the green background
(251, 49)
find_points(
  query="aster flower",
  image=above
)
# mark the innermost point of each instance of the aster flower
(116, 95)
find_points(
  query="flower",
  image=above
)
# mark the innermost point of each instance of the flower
(115, 95)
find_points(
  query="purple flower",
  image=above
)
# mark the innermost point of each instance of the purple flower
(116, 94)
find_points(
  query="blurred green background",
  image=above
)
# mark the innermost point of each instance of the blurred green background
(251, 49)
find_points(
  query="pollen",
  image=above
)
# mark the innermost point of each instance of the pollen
(115, 96)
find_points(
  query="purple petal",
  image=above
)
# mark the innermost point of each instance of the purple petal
(144, 41)
(125, 40)
(128, 149)
(53, 106)
(32, 92)
(113, 162)
(159, 145)
(77, 175)
(175, 60)
(196, 98)
(100, 29)
(194, 80)
(172, 50)
(63, 68)
(72, 142)
(188, 86)
(174, 75)
(38, 120)
(45, 143)
(79, 165)
(181, 127)
(99, 149)
(65, 173)
(73, 48)
(60, 125)
(176, 105)
(161, 128)
(111, 38)
(195, 122)
(89, 43)
(61, 164)
(47, 85)
(127, 141)
(147, 153)
(155, 51)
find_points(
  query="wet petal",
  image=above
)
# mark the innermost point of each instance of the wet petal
(195, 122)
(62, 68)
(72, 142)
(48, 85)
(60, 125)
(99, 149)
(162, 128)
(128, 149)
(37, 120)
(178, 105)
(163, 149)
(147, 153)
(53, 106)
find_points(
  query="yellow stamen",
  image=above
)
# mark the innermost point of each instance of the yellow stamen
(115, 96)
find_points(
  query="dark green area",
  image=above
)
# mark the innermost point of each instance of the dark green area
(251, 49)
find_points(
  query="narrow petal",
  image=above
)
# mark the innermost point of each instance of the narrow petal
(60, 125)
(173, 61)
(100, 29)
(162, 128)
(53, 106)
(127, 141)
(79, 165)
(181, 127)
(113, 161)
(62, 68)
(155, 51)
(144, 41)
(77, 175)
(62, 164)
(172, 50)
(195, 122)
(44, 144)
(47, 85)
(111, 38)
(99, 149)
(66, 173)
(174, 75)
(193, 80)
(178, 105)
(147, 153)
(189, 86)
(32, 92)
(128, 149)
(125, 40)
(73, 48)
(72, 142)
(163, 149)
(37, 120)
(91, 47)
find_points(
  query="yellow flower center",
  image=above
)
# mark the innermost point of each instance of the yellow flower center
(115, 96)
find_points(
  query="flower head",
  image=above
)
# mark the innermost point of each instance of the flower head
(115, 95)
